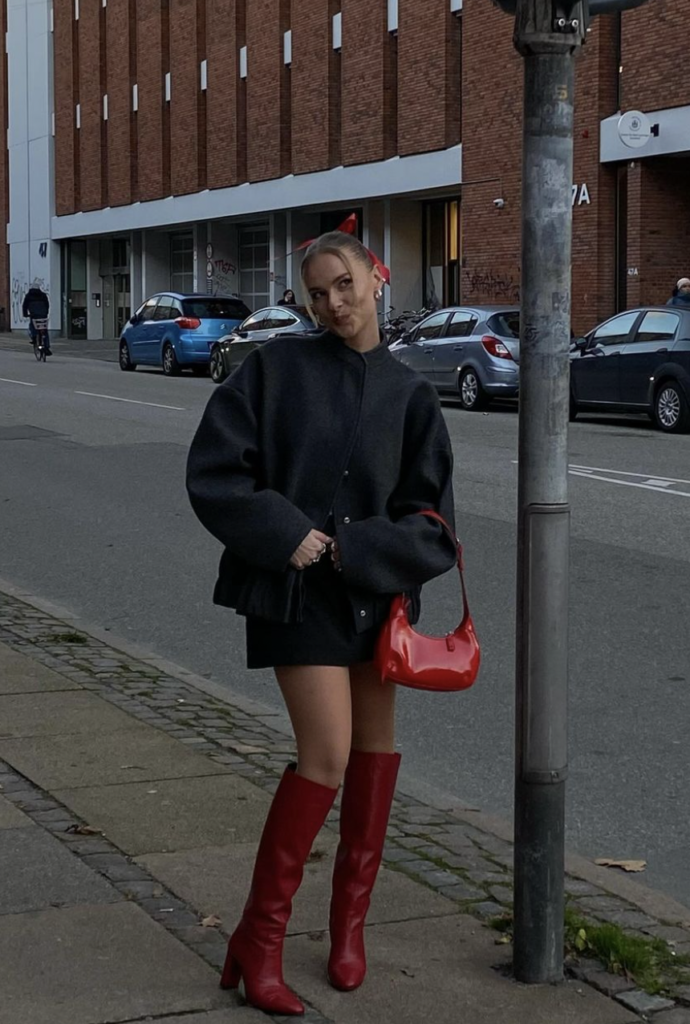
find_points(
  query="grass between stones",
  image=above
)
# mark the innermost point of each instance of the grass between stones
(651, 963)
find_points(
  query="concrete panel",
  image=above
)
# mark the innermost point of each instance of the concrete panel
(216, 881)
(90, 964)
(455, 959)
(177, 815)
(55, 714)
(130, 755)
(20, 674)
(10, 817)
(37, 871)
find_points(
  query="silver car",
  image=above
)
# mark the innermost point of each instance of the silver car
(469, 351)
(262, 326)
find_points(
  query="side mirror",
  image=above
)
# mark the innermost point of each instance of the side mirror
(134, 319)
(578, 345)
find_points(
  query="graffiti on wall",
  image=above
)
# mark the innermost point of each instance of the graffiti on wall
(20, 287)
(221, 273)
(492, 287)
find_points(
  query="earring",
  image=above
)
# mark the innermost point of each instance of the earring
(378, 294)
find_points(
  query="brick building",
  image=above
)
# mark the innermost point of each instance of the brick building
(194, 144)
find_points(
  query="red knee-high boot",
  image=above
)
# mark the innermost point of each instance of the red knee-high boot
(255, 950)
(367, 797)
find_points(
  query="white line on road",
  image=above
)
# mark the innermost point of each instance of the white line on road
(628, 483)
(132, 401)
(22, 382)
(620, 472)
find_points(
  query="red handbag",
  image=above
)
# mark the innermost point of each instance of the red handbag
(447, 663)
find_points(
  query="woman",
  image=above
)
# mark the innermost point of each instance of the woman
(288, 298)
(322, 445)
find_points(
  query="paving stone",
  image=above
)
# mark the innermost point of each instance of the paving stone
(488, 909)
(501, 893)
(116, 867)
(45, 714)
(102, 964)
(680, 1015)
(11, 816)
(599, 905)
(596, 975)
(395, 855)
(642, 1002)
(669, 933)
(682, 994)
(577, 887)
(463, 892)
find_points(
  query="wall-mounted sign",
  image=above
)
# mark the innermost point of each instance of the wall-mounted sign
(634, 129)
(581, 196)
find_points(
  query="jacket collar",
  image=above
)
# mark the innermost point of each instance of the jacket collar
(374, 357)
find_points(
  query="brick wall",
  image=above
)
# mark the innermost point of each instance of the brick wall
(185, 77)
(151, 84)
(658, 228)
(365, 34)
(65, 132)
(311, 46)
(429, 45)
(265, 62)
(221, 111)
(119, 103)
(492, 155)
(656, 69)
(91, 101)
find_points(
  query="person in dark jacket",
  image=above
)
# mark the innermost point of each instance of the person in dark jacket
(36, 306)
(310, 466)
(288, 298)
(681, 294)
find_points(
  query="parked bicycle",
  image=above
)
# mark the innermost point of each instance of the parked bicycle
(41, 342)
(395, 327)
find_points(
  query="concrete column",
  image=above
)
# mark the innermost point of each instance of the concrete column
(136, 270)
(404, 257)
(278, 255)
(94, 286)
(34, 259)
(155, 258)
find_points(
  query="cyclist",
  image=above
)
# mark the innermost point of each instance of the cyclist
(37, 307)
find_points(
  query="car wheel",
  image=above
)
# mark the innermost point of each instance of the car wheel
(472, 394)
(217, 366)
(671, 409)
(125, 360)
(171, 367)
(199, 370)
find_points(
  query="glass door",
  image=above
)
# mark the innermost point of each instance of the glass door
(123, 301)
(76, 289)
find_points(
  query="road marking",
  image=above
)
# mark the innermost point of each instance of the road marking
(628, 483)
(620, 472)
(22, 382)
(132, 401)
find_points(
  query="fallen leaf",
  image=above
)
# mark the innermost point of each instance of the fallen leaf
(408, 974)
(85, 830)
(625, 865)
(211, 922)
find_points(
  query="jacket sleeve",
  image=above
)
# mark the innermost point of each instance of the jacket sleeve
(25, 311)
(396, 553)
(258, 524)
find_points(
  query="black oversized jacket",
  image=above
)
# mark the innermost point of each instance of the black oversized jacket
(308, 431)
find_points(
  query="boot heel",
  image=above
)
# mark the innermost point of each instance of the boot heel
(232, 972)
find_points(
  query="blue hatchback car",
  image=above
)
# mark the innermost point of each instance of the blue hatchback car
(177, 331)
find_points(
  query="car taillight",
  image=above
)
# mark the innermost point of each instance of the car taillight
(495, 347)
(188, 323)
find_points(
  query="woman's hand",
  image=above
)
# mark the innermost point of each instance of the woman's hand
(314, 545)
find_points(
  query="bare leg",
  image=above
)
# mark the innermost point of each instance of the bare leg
(319, 703)
(373, 711)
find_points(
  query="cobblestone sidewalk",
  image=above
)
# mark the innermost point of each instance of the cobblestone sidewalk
(450, 855)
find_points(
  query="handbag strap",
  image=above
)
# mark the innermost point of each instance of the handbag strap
(431, 514)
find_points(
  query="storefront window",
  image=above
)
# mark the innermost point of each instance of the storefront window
(182, 263)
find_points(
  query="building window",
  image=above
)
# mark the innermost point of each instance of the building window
(182, 263)
(442, 253)
(254, 266)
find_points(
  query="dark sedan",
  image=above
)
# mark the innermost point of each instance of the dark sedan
(638, 361)
(262, 326)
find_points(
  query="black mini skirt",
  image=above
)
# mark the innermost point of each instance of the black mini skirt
(325, 636)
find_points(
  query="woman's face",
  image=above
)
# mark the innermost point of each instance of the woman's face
(289, 296)
(344, 302)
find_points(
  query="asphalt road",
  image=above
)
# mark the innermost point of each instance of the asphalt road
(94, 517)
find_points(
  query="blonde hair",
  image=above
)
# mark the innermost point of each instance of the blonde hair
(335, 243)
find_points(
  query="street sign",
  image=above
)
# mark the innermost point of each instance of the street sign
(634, 129)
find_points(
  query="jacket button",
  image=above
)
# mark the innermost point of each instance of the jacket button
(346, 474)
(363, 613)
(346, 519)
